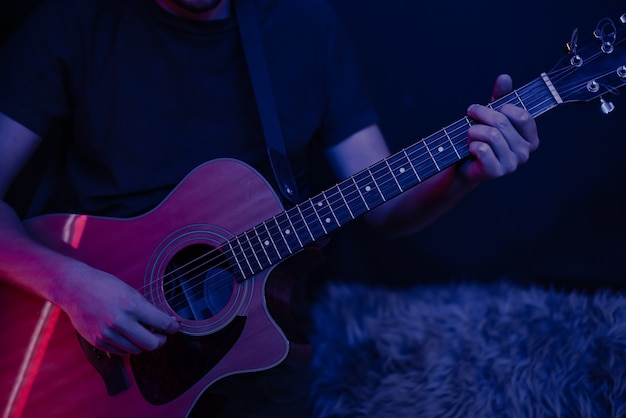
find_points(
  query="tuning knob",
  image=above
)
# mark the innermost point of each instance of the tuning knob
(622, 18)
(606, 107)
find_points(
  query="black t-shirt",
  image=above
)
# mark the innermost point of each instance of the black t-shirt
(149, 96)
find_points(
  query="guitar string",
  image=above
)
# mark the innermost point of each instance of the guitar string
(416, 160)
(213, 286)
(531, 107)
(530, 84)
(224, 282)
(439, 135)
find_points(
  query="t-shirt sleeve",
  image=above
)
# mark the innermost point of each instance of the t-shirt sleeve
(33, 70)
(349, 107)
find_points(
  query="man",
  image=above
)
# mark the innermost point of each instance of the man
(145, 84)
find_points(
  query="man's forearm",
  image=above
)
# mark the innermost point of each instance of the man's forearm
(26, 263)
(420, 206)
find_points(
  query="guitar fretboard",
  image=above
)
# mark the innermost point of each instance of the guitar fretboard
(290, 231)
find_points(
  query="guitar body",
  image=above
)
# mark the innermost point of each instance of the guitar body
(235, 333)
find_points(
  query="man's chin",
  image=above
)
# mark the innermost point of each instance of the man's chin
(197, 6)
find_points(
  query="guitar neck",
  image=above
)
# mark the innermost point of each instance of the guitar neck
(289, 232)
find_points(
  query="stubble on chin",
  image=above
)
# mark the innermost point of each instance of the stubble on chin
(197, 6)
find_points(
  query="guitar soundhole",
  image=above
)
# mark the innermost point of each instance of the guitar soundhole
(198, 284)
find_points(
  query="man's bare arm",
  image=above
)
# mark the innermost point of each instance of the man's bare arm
(104, 310)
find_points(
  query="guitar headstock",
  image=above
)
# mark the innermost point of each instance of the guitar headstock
(596, 70)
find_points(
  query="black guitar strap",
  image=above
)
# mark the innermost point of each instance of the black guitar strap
(257, 67)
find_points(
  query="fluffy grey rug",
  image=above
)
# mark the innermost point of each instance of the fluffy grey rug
(466, 350)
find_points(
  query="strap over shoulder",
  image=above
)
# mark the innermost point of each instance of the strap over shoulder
(245, 11)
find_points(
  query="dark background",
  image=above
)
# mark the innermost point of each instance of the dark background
(560, 219)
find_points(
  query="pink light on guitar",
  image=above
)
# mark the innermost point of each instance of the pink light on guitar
(73, 230)
(33, 359)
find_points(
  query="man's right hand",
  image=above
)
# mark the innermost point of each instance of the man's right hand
(111, 315)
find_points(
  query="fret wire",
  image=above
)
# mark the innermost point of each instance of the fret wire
(345, 204)
(403, 174)
(288, 233)
(284, 239)
(412, 166)
(431, 154)
(381, 173)
(361, 194)
(271, 240)
(312, 219)
(520, 100)
(451, 143)
(531, 89)
(324, 212)
(445, 155)
(394, 177)
(459, 130)
(234, 257)
(424, 164)
(418, 155)
(257, 253)
(318, 216)
(343, 198)
(369, 193)
(298, 225)
(330, 208)
(295, 231)
(262, 243)
(246, 256)
(306, 224)
(281, 244)
(358, 205)
(241, 258)
(374, 181)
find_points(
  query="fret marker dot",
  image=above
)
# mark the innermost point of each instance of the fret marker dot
(402, 170)
(319, 204)
(267, 243)
(327, 220)
(287, 231)
(368, 189)
(440, 149)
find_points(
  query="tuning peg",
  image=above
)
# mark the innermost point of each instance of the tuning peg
(572, 45)
(606, 107)
(622, 18)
